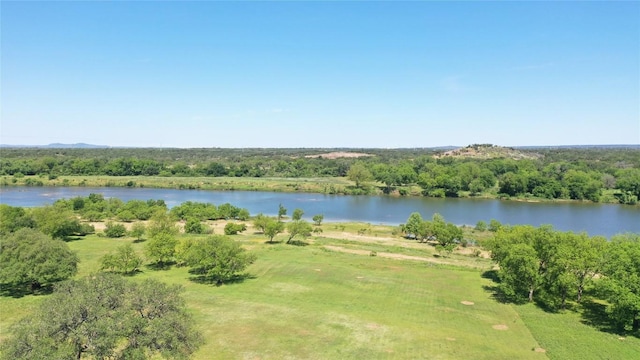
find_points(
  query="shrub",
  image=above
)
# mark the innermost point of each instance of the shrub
(481, 226)
(114, 230)
(194, 226)
(234, 229)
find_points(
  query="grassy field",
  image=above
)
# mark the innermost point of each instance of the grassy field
(321, 302)
(329, 185)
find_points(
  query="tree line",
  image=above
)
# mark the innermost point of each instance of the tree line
(25, 231)
(580, 174)
(551, 268)
(103, 315)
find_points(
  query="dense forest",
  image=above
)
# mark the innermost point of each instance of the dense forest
(542, 173)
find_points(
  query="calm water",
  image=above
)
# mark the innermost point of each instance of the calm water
(595, 219)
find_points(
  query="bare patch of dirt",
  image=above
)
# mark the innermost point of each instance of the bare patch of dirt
(99, 226)
(500, 327)
(339, 154)
(383, 254)
(465, 302)
(373, 326)
(451, 339)
(471, 251)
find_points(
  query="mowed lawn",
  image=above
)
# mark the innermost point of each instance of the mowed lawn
(305, 302)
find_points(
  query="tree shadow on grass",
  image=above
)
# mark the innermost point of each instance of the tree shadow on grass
(208, 280)
(297, 243)
(21, 290)
(160, 265)
(595, 315)
(496, 292)
(72, 238)
(137, 241)
(491, 275)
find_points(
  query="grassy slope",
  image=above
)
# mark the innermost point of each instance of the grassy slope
(307, 302)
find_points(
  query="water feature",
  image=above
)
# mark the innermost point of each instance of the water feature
(595, 219)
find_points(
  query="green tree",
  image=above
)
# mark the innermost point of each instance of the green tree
(137, 230)
(519, 271)
(584, 257)
(583, 186)
(621, 282)
(298, 228)
(14, 218)
(124, 260)
(272, 228)
(297, 214)
(522, 267)
(444, 233)
(260, 222)
(387, 175)
(194, 226)
(243, 215)
(481, 226)
(57, 222)
(415, 226)
(513, 184)
(217, 258)
(282, 212)
(162, 232)
(359, 174)
(114, 230)
(234, 229)
(629, 180)
(126, 216)
(317, 219)
(29, 257)
(494, 225)
(106, 317)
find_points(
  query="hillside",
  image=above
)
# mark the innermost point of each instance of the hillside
(488, 151)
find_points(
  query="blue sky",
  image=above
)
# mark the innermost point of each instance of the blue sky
(320, 74)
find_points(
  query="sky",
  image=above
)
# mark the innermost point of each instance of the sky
(319, 74)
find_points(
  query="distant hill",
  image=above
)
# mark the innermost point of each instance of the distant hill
(58, 146)
(488, 151)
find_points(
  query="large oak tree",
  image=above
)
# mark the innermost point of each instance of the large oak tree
(106, 317)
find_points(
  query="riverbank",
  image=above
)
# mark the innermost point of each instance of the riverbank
(318, 185)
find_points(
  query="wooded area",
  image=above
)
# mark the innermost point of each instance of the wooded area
(592, 174)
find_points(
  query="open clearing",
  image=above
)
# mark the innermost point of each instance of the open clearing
(318, 302)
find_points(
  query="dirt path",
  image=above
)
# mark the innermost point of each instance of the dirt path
(384, 254)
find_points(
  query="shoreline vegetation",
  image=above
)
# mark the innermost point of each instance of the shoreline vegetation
(323, 185)
(482, 171)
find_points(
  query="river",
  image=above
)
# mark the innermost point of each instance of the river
(595, 219)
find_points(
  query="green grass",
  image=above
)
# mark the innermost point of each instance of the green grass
(337, 185)
(306, 302)
(565, 336)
